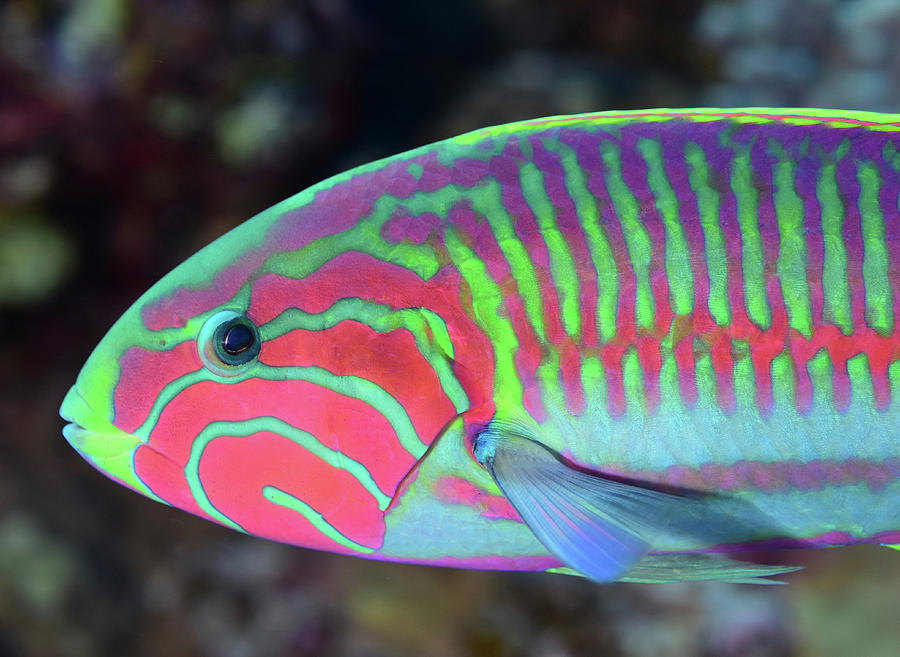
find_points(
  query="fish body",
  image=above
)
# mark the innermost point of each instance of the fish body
(607, 343)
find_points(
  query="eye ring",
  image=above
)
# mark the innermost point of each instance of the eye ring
(228, 343)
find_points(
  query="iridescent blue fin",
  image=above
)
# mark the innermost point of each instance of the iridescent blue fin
(600, 527)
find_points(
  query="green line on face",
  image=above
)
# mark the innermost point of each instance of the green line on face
(752, 261)
(486, 303)
(365, 237)
(597, 244)
(791, 262)
(836, 289)
(713, 238)
(169, 391)
(251, 426)
(879, 301)
(637, 241)
(382, 319)
(288, 501)
(679, 276)
(349, 386)
(562, 268)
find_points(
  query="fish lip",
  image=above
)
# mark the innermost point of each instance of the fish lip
(76, 410)
(90, 433)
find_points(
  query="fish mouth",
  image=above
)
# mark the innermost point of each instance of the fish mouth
(92, 435)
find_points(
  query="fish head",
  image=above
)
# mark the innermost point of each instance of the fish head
(277, 382)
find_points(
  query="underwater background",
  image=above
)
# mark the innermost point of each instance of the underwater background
(134, 133)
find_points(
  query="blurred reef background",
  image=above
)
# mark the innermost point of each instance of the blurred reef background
(133, 133)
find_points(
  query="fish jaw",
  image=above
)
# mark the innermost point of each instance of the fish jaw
(106, 447)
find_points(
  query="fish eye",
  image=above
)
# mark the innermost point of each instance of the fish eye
(227, 343)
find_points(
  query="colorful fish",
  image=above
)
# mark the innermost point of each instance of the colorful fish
(612, 344)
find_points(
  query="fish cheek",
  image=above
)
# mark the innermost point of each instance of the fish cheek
(249, 456)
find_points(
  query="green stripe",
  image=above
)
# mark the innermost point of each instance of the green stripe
(836, 289)
(752, 261)
(705, 382)
(637, 241)
(821, 377)
(349, 386)
(713, 238)
(679, 275)
(486, 303)
(783, 394)
(593, 382)
(547, 376)
(365, 237)
(281, 498)
(860, 377)
(791, 262)
(487, 201)
(245, 428)
(894, 379)
(705, 375)
(562, 268)
(743, 378)
(382, 319)
(597, 244)
(879, 311)
(633, 386)
(840, 119)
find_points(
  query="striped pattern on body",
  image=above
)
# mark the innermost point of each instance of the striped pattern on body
(703, 298)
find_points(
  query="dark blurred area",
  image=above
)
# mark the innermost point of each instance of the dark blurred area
(133, 133)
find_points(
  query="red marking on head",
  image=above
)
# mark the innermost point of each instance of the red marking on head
(389, 360)
(234, 471)
(143, 374)
(456, 490)
(338, 422)
(166, 479)
(359, 275)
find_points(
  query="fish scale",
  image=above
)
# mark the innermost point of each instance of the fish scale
(698, 300)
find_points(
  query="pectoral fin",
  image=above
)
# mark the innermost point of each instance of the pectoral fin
(603, 528)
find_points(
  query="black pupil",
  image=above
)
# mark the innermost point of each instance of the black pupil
(238, 338)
